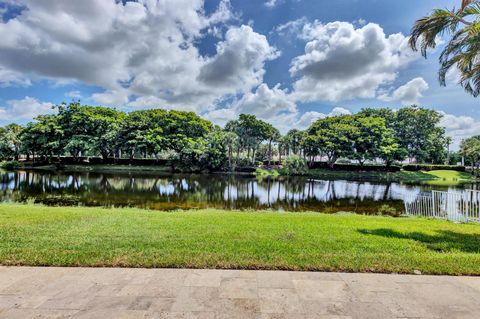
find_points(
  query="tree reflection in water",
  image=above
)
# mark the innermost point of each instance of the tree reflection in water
(167, 192)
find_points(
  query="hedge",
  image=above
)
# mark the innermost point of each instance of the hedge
(356, 167)
(432, 167)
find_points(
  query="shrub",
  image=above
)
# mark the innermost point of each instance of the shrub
(432, 167)
(356, 167)
(387, 210)
(11, 165)
(295, 165)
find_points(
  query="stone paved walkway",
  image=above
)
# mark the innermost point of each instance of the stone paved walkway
(167, 293)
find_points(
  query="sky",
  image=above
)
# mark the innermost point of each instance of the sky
(289, 62)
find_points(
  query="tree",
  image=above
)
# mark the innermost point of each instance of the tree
(333, 136)
(272, 135)
(10, 142)
(216, 151)
(43, 136)
(251, 132)
(462, 50)
(89, 129)
(371, 138)
(293, 139)
(470, 148)
(418, 133)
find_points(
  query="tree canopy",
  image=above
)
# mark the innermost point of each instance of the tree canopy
(81, 131)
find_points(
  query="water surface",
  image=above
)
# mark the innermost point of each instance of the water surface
(171, 191)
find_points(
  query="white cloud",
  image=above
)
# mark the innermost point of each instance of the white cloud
(309, 117)
(293, 27)
(409, 93)
(266, 103)
(271, 3)
(269, 104)
(459, 127)
(24, 109)
(74, 94)
(144, 49)
(12, 78)
(239, 60)
(343, 63)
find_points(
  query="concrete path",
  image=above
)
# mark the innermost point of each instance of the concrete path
(166, 293)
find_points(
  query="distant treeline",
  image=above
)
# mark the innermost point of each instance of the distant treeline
(196, 144)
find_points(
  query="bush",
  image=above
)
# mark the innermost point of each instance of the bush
(295, 165)
(432, 167)
(11, 165)
(356, 167)
(387, 210)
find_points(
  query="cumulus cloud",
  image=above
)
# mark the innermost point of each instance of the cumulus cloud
(239, 60)
(266, 103)
(142, 50)
(409, 93)
(272, 105)
(342, 62)
(459, 127)
(24, 109)
(307, 118)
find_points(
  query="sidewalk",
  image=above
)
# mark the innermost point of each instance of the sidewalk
(27, 292)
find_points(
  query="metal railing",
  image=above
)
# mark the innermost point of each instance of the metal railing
(461, 207)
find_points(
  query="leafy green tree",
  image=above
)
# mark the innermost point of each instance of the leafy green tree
(10, 142)
(133, 132)
(293, 141)
(462, 50)
(251, 132)
(272, 135)
(418, 132)
(334, 136)
(372, 139)
(89, 129)
(470, 148)
(216, 150)
(43, 137)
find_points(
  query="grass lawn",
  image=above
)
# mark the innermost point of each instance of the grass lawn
(438, 177)
(446, 177)
(40, 235)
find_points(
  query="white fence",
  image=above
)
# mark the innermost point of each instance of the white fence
(455, 206)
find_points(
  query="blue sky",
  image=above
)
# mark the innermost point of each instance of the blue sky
(287, 61)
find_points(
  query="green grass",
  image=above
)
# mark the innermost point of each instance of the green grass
(446, 177)
(46, 236)
(439, 177)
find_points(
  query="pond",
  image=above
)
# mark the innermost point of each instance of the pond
(172, 191)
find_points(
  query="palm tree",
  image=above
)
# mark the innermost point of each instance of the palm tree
(462, 51)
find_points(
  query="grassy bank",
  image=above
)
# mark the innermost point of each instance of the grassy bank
(38, 235)
(438, 177)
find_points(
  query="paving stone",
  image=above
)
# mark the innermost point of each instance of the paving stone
(274, 279)
(238, 288)
(180, 315)
(216, 294)
(196, 299)
(204, 278)
(321, 290)
(37, 314)
(279, 300)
